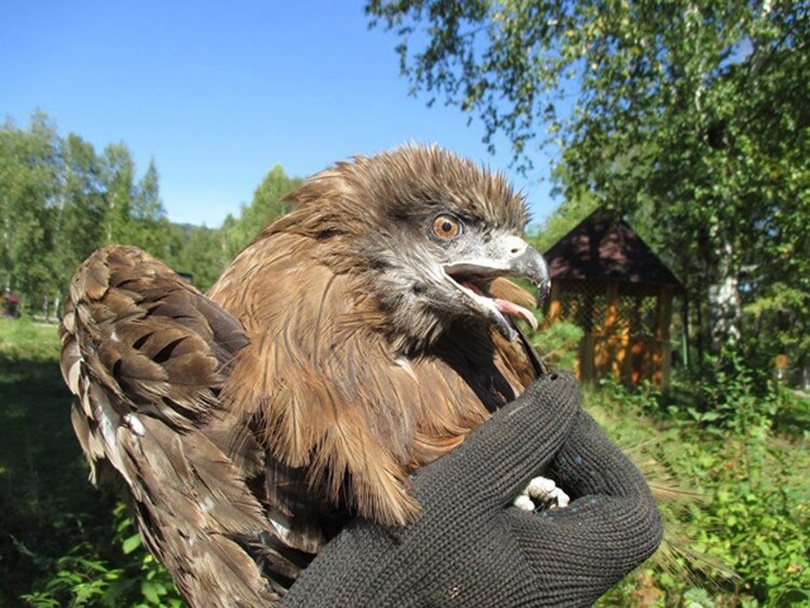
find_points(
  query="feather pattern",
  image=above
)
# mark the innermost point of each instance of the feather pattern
(252, 423)
(146, 356)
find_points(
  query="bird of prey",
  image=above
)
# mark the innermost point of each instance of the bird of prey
(358, 338)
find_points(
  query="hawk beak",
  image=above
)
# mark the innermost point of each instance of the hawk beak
(506, 256)
(531, 265)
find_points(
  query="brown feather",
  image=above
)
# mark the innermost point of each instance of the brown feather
(252, 424)
(146, 378)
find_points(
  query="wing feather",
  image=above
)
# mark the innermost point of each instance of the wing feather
(146, 356)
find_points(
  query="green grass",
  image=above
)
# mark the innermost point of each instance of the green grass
(46, 504)
(744, 509)
(64, 543)
(23, 340)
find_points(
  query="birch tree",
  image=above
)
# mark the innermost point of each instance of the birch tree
(694, 112)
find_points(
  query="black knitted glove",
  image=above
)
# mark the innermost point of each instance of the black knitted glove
(471, 548)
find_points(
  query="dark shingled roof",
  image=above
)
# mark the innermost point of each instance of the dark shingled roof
(601, 247)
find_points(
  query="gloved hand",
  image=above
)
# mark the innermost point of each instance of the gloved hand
(471, 548)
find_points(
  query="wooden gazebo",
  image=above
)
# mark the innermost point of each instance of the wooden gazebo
(606, 280)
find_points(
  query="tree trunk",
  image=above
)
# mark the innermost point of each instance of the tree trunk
(724, 303)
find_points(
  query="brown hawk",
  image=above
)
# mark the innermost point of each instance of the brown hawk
(358, 338)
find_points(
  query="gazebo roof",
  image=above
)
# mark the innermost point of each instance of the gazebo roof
(602, 247)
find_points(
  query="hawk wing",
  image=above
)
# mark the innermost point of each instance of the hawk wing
(145, 354)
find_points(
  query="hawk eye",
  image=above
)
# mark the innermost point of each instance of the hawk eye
(447, 227)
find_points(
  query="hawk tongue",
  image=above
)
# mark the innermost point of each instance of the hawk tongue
(510, 308)
(505, 306)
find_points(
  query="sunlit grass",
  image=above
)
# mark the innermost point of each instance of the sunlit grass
(23, 339)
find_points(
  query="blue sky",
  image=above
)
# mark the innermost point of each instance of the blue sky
(218, 93)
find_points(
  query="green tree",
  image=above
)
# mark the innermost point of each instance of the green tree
(118, 182)
(196, 250)
(135, 213)
(694, 113)
(151, 225)
(59, 201)
(78, 216)
(29, 171)
(267, 202)
(266, 206)
(205, 252)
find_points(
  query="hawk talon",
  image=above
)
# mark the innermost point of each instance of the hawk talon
(541, 494)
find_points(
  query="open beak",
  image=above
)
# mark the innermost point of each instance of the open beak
(508, 256)
(531, 265)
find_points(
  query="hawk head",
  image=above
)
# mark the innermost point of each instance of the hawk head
(427, 233)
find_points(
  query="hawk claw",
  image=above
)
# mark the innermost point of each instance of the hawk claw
(540, 494)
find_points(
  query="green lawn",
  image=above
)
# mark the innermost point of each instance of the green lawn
(64, 543)
(46, 504)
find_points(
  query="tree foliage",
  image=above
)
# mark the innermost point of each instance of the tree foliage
(60, 199)
(691, 114)
(266, 206)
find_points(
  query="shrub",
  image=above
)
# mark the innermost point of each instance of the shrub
(717, 437)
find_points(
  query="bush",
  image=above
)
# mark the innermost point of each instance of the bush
(85, 577)
(558, 344)
(718, 438)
